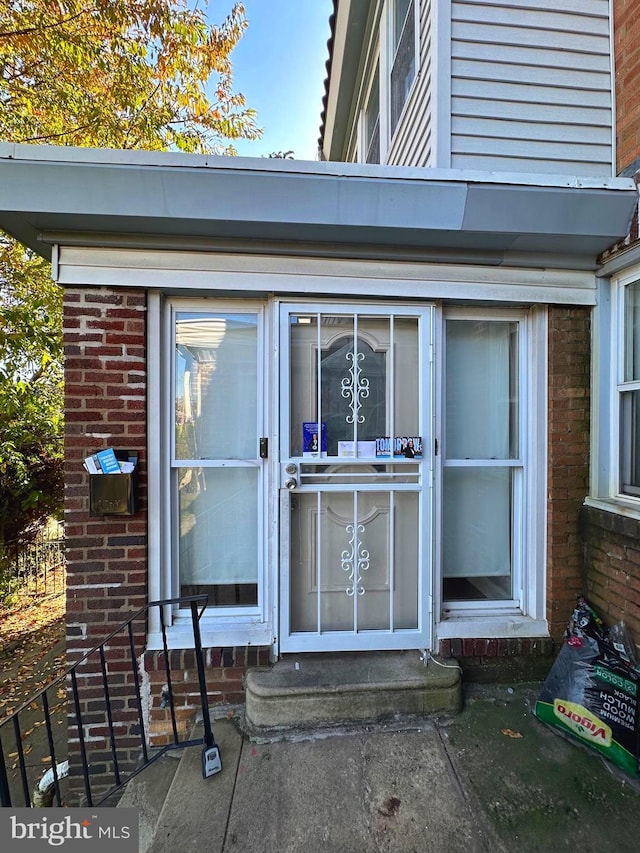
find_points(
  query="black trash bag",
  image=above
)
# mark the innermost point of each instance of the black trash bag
(592, 690)
(584, 622)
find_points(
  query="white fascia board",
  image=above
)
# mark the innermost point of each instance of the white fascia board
(350, 49)
(168, 160)
(621, 261)
(141, 193)
(203, 271)
(337, 61)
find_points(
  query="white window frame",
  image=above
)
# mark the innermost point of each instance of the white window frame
(363, 124)
(387, 50)
(623, 386)
(608, 385)
(223, 626)
(525, 614)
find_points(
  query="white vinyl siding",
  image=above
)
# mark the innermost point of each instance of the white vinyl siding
(515, 87)
(531, 86)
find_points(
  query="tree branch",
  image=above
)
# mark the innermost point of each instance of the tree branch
(30, 30)
(56, 135)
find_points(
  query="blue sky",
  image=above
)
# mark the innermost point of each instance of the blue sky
(279, 66)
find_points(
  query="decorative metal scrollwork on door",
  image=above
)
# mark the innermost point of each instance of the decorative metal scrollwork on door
(355, 560)
(355, 387)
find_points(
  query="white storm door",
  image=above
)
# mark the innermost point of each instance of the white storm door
(356, 450)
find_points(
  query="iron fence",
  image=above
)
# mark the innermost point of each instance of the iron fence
(35, 567)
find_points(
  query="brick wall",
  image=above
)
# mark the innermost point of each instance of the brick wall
(568, 459)
(496, 660)
(612, 556)
(627, 65)
(224, 668)
(105, 406)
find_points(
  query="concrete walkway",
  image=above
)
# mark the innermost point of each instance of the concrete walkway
(492, 779)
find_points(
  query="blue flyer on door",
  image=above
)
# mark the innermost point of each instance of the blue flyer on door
(311, 447)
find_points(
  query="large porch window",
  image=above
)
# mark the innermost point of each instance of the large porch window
(216, 469)
(483, 467)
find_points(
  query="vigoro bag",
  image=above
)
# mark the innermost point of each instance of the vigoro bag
(591, 691)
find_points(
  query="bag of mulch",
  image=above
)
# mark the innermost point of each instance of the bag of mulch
(592, 690)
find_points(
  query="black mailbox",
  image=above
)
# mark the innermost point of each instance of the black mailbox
(115, 494)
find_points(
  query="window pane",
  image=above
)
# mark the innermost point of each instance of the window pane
(218, 541)
(481, 389)
(372, 122)
(336, 404)
(632, 332)
(630, 442)
(477, 533)
(403, 69)
(216, 377)
(399, 16)
(353, 379)
(373, 149)
(406, 364)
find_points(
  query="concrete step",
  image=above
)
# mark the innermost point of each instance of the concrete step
(317, 691)
(177, 808)
(147, 793)
(195, 813)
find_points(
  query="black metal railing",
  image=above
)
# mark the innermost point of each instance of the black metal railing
(35, 566)
(102, 703)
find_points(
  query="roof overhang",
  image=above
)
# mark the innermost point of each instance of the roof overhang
(54, 194)
(351, 25)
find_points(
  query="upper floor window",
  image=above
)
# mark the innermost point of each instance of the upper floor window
(372, 122)
(629, 389)
(403, 57)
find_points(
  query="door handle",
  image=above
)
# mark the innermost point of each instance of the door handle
(291, 484)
